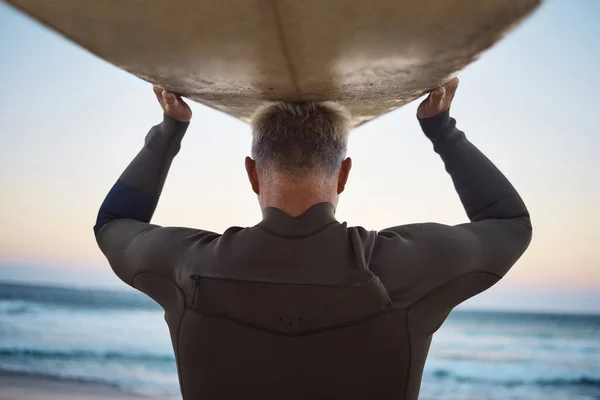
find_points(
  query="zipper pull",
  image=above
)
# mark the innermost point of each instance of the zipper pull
(196, 279)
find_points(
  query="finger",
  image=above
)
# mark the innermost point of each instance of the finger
(169, 98)
(451, 86)
(436, 97)
(158, 92)
(171, 102)
(452, 83)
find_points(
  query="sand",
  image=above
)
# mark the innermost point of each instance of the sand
(25, 387)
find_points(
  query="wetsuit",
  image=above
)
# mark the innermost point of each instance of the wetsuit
(307, 307)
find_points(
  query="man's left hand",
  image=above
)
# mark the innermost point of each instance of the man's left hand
(439, 100)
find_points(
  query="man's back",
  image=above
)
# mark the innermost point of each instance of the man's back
(267, 325)
(304, 306)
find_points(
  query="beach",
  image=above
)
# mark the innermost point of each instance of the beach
(14, 386)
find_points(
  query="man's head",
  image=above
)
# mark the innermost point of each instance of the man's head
(299, 151)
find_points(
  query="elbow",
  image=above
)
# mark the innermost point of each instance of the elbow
(525, 222)
(103, 218)
(125, 202)
(522, 233)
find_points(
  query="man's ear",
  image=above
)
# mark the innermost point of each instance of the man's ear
(344, 174)
(252, 174)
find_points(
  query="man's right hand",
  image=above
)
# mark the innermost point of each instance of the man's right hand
(173, 105)
(439, 100)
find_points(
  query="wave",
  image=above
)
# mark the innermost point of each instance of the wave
(60, 378)
(42, 354)
(486, 356)
(16, 308)
(22, 299)
(582, 381)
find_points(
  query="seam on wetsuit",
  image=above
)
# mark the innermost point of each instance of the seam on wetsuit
(409, 309)
(392, 293)
(125, 202)
(276, 332)
(163, 277)
(179, 372)
(507, 194)
(410, 351)
(450, 282)
(180, 375)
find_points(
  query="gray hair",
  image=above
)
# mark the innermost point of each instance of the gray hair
(299, 138)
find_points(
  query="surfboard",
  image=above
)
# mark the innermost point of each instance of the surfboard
(233, 55)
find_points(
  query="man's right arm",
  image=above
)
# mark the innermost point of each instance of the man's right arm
(140, 252)
(434, 267)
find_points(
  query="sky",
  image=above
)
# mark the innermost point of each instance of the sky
(70, 123)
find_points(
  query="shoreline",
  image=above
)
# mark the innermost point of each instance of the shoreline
(22, 386)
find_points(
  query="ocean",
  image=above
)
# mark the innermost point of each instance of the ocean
(120, 338)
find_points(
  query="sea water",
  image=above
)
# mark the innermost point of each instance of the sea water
(120, 338)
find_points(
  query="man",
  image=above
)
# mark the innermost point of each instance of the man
(301, 306)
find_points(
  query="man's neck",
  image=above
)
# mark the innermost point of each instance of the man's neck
(296, 198)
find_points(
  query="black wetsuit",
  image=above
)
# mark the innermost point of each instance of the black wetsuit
(307, 307)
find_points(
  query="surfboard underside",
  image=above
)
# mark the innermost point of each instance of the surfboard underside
(233, 55)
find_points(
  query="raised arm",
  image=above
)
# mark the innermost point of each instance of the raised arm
(435, 267)
(484, 191)
(136, 193)
(123, 231)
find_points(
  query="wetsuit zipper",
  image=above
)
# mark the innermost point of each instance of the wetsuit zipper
(196, 279)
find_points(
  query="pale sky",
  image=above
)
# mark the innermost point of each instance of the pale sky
(70, 123)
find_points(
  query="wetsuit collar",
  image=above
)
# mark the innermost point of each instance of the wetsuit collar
(311, 221)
